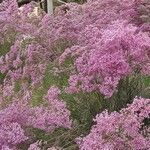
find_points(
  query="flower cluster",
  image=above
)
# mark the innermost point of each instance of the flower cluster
(19, 115)
(31, 41)
(89, 28)
(105, 41)
(120, 130)
(107, 49)
(106, 56)
(54, 115)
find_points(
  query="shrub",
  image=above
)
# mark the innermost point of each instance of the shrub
(120, 130)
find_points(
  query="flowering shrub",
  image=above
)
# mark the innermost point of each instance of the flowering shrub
(120, 130)
(53, 116)
(30, 51)
(11, 134)
(106, 52)
(35, 37)
(116, 53)
(19, 115)
(84, 53)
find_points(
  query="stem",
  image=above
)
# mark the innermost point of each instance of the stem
(50, 6)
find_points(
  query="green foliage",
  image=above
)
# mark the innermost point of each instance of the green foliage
(4, 48)
(2, 76)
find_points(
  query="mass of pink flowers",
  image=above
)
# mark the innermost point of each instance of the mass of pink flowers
(100, 64)
(120, 130)
(96, 45)
(18, 116)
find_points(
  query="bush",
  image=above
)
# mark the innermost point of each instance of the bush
(59, 71)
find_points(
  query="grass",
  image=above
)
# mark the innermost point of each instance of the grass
(3, 50)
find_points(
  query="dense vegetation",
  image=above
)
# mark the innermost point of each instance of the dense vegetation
(77, 79)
